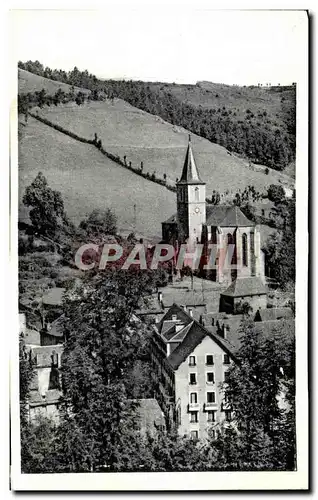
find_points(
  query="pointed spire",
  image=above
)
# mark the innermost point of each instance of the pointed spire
(190, 172)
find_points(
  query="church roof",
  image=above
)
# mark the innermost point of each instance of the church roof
(243, 287)
(226, 216)
(190, 173)
(172, 220)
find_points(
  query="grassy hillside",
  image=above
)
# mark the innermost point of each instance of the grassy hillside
(88, 180)
(142, 137)
(29, 82)
(256, 123)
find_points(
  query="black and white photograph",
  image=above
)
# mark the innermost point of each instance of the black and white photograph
(159, 191)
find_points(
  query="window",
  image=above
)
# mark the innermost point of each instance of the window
(194, 435)
(193, 378)
(212, 434)
(228, 415)
(193, 398)
(196, 194)
(263, 212)
(210, 397)
(229, 239)
(226, 377)
(194, 416)
(244, 250)
(209, 359)
(211, 416)
(210, 378)
(226, 359)
(192, 361)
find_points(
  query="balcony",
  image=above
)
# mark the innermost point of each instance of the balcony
(210, 406)
(193, 406)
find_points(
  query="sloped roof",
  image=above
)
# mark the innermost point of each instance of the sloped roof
(273, 314)
(195, 335)
(174, 310)
(242, 287)
(172, 220)
(180, 336)
(226, 216)
(190, 173)
(32, 337)
(53, 297)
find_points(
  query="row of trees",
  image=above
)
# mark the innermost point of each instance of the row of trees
(254, 136)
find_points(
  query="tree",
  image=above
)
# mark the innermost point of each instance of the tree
(103, 343)
(47, 212)
(255, 440)
(276, 193)
(100, 223)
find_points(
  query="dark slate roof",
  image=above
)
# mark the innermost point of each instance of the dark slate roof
(194, 337)
(53, 297)
(172, 220)
(273, 314)
(226, 216)
(190, 173)
(174, 310)
(242, 287)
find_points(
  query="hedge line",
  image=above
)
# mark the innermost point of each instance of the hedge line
(97, 144)
(115, 158)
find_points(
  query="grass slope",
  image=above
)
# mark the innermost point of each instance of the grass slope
(140, 136)
(29, 82)
(89, 180)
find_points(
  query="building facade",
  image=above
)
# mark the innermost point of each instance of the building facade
(189, 365)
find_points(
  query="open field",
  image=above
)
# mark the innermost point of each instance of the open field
(89, 180)
(125, 130)
(28, 82)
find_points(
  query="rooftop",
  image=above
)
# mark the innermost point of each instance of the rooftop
(53, 297)
(190, 173)
(226, 216)
(244, 287)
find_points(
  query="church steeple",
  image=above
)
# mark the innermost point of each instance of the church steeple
(190, 172)
(190, 200)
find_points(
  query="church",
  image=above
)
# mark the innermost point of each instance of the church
(196, 221)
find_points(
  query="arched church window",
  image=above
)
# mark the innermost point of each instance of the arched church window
(244, 249)
(196, 194)
(230, 239)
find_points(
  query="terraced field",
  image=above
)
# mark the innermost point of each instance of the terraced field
(126, 130)
(89, 180)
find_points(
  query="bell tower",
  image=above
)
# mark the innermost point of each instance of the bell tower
(190, 200)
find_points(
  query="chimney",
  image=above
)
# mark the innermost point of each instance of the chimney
(157, 319)
(225, 330)
(160, 296)
(191, 312)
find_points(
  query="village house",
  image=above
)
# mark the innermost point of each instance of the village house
(190, 360)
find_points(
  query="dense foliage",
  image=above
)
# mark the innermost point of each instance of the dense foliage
(256, 136)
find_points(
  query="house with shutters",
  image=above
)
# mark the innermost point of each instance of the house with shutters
(190, 360)
(189, 364)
